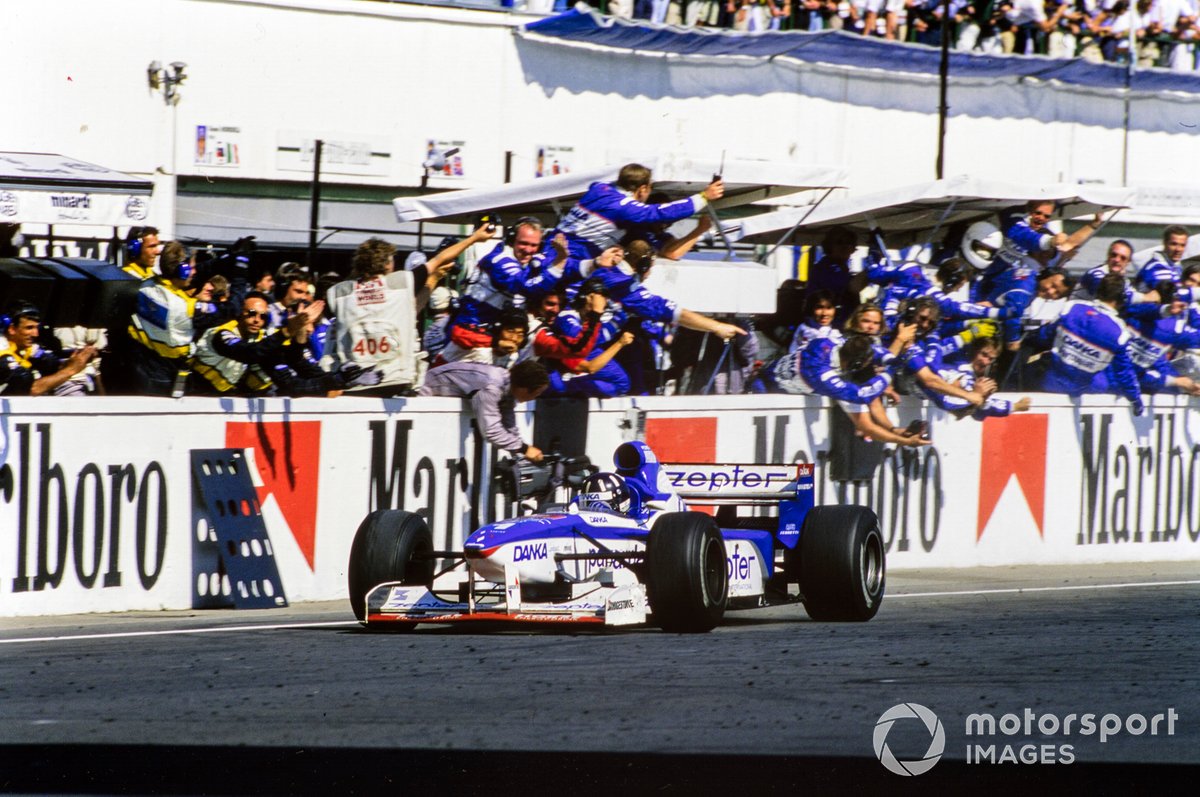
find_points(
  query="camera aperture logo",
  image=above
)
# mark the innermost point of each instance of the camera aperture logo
(1025, 737)
(937, 739)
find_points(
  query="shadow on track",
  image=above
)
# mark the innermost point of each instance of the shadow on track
(146, 769)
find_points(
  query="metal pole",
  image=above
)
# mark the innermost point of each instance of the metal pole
(800, 221)
(1132, 65)
(943, 79)
(421, 223)
(508, 156)
(315, 208)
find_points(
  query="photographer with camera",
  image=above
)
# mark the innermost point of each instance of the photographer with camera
(580, 365)
(494, 393)
(621, 270)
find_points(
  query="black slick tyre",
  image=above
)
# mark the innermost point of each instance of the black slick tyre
(840, 565)
(686, 583)
(390, 545)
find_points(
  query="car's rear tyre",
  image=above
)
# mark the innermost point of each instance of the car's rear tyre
(686, 582)
(840, 565)
(390, 545)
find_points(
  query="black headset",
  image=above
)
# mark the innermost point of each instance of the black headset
(587, 287)
(18, 308)
(510, 232)
(182, 270)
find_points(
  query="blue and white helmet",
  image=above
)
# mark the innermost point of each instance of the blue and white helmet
(606, 492)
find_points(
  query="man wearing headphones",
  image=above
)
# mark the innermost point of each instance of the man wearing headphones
(161, 327)
(511, 274)
(142, 248)
(26, 369)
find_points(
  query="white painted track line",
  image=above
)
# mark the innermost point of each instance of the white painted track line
(1019, 590)
(170, 631)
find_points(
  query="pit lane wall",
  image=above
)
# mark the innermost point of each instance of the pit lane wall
(96, 494)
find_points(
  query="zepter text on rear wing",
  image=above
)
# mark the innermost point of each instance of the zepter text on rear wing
(740, 483)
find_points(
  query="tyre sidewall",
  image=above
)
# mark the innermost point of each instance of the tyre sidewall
(383, 550)
(685, 572)
(841, 564)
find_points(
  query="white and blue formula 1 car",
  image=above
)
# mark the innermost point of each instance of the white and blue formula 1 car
(626, 549)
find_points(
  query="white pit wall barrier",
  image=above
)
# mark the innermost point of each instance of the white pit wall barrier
(95, 494)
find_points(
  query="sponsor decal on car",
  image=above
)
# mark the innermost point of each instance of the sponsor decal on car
(727, 478)
(530, 552)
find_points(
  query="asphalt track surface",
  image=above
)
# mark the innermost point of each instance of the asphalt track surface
(303, 700)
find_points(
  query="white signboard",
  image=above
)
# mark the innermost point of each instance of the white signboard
(551, 160)
(444, 158)
(65, 206)
(218, 146)
(341, 153)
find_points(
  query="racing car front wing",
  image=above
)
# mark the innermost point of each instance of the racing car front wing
(591, 603)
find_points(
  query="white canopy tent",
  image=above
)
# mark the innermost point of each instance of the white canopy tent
(45, 188)
(909, 213)
(746, 181)
(707, 283)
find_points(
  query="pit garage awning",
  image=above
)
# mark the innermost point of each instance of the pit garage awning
(746, 181)
(909, 213)
(45, 188)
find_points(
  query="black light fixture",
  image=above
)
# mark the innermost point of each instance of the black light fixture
(167, 79)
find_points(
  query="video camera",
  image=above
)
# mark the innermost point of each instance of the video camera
(231, 262)
(632, 325)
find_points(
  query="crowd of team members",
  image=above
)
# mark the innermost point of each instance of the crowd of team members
(999, 312)
(564, 313)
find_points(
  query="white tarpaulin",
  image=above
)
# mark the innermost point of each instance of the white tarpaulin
(746, 181)
(43, 188)
(906, 213)
(707, 283)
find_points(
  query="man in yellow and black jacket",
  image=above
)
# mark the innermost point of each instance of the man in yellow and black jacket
(26, 369)
(243, 358)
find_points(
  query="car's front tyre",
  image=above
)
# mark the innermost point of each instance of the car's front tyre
(390, 545)
(686, 581)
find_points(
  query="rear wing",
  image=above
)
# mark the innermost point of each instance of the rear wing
(740, 484)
